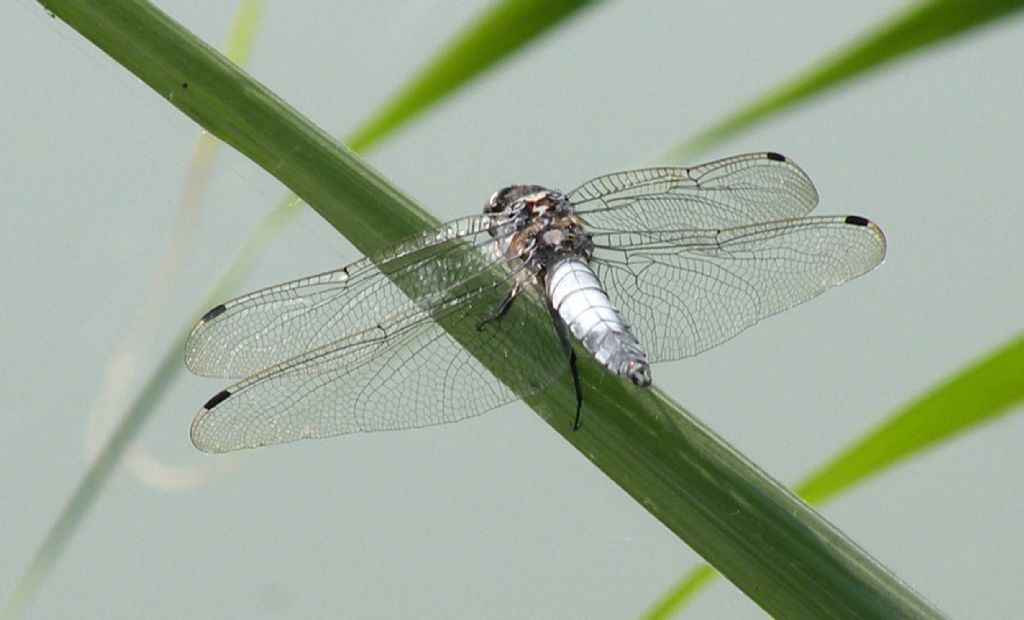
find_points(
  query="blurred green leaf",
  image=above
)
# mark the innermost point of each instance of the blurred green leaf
(493, 37)
(771, 545)
(920, 26)
(501, 31)
(979, 393)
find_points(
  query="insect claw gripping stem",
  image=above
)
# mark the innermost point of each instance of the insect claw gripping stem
(502, 310)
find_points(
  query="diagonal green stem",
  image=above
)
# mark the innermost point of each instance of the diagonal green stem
(771, 545)
(470, 53)
(977, 394)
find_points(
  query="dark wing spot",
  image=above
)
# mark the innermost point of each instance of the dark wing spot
(775, 156)
(217, 399)
(213, 313)
(857, 220)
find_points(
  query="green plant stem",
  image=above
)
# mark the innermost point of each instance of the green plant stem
(979, 393)
(770, 544)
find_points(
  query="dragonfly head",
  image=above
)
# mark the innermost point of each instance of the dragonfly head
(526, 201)
(505, 199)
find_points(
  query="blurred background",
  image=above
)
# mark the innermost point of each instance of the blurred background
(496, 516)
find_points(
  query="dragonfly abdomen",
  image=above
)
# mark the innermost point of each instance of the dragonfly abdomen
(580, 300)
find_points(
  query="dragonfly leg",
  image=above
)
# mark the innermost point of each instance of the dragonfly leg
(570, 355)
(577, 423)
(503, 308)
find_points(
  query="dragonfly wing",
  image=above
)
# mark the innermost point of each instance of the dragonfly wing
(745, 189)
(408, 373)
(686, 291)
(270, 326)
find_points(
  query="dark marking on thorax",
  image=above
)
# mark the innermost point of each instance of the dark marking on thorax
(541, 227)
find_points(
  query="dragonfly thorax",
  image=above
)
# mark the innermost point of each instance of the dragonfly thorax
(550, 240)
(537, 226)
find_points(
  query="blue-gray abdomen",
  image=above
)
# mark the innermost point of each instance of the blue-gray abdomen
(578, 297)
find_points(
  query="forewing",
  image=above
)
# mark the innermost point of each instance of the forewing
(736, 191)
(686, 291)
(273, 325)
(411, 374)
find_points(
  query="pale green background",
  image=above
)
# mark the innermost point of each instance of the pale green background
(498, 517)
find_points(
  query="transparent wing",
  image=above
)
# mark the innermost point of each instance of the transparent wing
(688, 290)
(409, 373)
(269, 326)
(364, 348)
(745, 189)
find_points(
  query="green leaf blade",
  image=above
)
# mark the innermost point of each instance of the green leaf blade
(493, 37)
(980, 393)
(918, 27)
(788, 559)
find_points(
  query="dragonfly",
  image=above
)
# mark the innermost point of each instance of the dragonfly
(635, 267)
